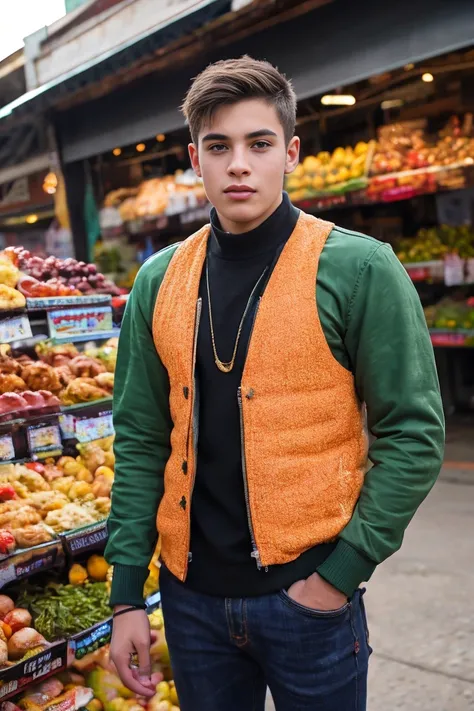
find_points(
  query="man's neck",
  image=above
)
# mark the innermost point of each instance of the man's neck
(237, 228)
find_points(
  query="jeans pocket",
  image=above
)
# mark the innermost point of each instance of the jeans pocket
(364, 619)
(309, 611)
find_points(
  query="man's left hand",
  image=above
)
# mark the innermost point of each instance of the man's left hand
(317, 594)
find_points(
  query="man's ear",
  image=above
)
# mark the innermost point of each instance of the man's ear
(292, 155)
(194, 158)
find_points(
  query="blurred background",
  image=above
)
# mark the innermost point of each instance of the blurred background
(94, 170)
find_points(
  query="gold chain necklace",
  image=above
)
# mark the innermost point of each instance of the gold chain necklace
(226, 367)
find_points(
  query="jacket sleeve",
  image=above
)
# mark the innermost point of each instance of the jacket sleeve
(142, 425)
(395, 375)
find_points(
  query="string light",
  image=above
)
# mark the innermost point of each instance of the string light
(161, 137)
(140, 147)
(117, 151)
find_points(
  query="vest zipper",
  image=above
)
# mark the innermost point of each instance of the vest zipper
(255, 554)
(193, 419)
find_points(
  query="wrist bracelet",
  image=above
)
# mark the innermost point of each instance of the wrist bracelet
(128, 609)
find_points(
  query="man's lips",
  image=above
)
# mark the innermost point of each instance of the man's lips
(239, 192)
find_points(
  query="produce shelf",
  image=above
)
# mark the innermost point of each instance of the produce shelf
(23, 563)
(60, 655)
(18, 677)
(461, 338)
(54, 554)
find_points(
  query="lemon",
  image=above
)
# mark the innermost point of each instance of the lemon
(97, 567)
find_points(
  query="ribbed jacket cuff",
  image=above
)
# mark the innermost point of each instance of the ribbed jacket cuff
(345, 568)
(127, 585)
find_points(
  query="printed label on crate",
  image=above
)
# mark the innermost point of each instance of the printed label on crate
(67, 424)
(44, 440)
(24, 563)
(86, 539)
(89, 429)
(91, 640)
(453, 338)
(86, 321)
(7, 449)
(14, 679)
(16, 328)
(453, 270)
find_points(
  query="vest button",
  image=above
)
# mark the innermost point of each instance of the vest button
(250, 394)
(182, 503)
(184, 467)
(186, 392)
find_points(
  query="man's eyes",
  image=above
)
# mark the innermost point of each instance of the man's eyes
(221, 147)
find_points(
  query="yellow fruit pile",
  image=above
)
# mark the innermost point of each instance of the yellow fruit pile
(96, 570)
(324, 172)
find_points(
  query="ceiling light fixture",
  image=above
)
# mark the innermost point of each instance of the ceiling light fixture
(161, 138)
(338, 100)
(31, 219)
(391, 104)
(140, 147)
(117, 151)
(427, 77)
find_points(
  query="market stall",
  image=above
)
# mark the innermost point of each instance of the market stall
(58, 336)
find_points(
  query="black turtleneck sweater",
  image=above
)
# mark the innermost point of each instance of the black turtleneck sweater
(220, 537)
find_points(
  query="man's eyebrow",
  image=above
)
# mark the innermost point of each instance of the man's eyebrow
(254, 134)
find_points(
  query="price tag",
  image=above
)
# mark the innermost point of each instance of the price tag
(16, 328)
(90, 640)
(7, 572)
(453, 270)
(89, 429)
(7, 449)
(44, 441)
(15, 679)
(67, 423)
(90, 538)
(71, 324)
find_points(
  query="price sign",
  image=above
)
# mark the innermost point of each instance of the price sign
(74, 324)
(7, 449)
(89, 429)
(67, 423)
(89, 641)
(15, 679)
(16, 328)
(86, 539)
(453, 270)
(44, 440)
(34, 560)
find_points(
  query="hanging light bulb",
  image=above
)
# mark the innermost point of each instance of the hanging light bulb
(117, 151)
(161, 138)
(427, 77)
(31, 219)
(140, 147)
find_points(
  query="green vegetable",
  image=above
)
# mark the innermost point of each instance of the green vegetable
(62, 610)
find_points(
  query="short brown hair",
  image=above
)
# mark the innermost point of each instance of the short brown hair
(232, 80)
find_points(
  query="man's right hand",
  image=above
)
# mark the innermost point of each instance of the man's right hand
(131, 635)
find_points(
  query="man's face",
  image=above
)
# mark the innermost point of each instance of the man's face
(242, 157)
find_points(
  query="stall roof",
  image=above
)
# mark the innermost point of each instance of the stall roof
(110, 62)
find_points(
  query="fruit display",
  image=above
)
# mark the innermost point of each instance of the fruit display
(342, 171)
(435, 242)
(169, 195)
(38, 277)
(55, 694)
(451, 315)
(405, 146)
(41, 500)
(61, 375)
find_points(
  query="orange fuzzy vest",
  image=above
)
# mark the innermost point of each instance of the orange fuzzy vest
(305, 447)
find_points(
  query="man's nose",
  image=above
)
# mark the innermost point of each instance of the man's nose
(239, 164)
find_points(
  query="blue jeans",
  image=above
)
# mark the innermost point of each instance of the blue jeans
(224, 652)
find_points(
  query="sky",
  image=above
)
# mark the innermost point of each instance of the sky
(20, 18)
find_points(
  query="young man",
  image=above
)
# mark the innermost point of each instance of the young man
(247, 359)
